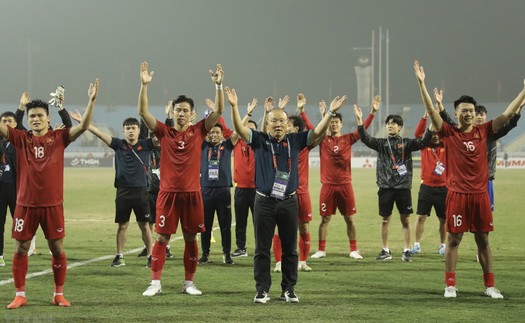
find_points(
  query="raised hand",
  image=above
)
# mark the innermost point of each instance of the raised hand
(268, 104)
(24, 99)
(420, 72)
(145, 77)
(75, 115)
(358, 112)
(218, 75)
(231, 95)
(210, 104)
(438, 95)
(283, 102)
(251, 106)
(337, 103)
(93, 90)
(301, 102)
(322, 108)
(376, 103)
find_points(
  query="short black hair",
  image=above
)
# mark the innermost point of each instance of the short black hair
(396, 118)
(218, 125)
(131, 122)
(338, 116)
(254, 123)
(480, 109)
(37, 104)
(297, 122)
(465, 99)
(182, 99)
(8, 114)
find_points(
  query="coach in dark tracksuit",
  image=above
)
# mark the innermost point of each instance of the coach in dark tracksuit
(216, 183)
(276, 180)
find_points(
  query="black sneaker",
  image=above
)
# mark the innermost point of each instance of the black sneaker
(143, 253)
(289, 296)
(384, 255)
(204, 259)
(239, 253)
(118, 261)
(406, 256)
(227, 259)
(168, 253)
(148, 262)
(261, 297)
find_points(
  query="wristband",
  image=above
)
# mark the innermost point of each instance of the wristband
(218, 86)
(333, 114)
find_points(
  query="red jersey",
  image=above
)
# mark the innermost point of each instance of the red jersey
(304, 159)
(335, 153)
(181, 157)
(430, 157)
(40, 166)
(244, 165)
(466, 160)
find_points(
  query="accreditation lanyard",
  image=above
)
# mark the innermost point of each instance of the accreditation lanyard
(213, 164)
(400, 167)
(440, 167)
(4, 166)
(281, 178)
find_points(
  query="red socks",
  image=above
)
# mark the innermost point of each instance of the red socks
(450, 279)
(191, 253)
(353, 245)
(488, 279)
(158, 258)
(59, 264)
(19, 271)
(304, 246)
(277, 249)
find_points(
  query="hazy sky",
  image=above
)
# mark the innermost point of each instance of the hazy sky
(267, 47)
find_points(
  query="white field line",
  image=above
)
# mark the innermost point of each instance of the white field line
(82, 263)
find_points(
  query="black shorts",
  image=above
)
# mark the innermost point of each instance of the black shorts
(431, 196)
(153, 205)
(132, 198)
(387, 197)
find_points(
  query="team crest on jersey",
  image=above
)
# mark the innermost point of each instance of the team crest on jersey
(285, 144)
(59, 230)
(139, 148)
(476, 136)
(399, 146)
(49, 140)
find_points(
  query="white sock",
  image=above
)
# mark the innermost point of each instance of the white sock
(23, 294)
(56, 294)
(386, 249)
(406, 249)
(188, 283)
(155, 282)
(417, 244)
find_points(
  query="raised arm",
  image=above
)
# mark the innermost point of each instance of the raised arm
(217, 78)
(369, 141)
(249, 110)
(85, 122)
(268, 106)
(425, 96)
(301, 103)
(145, 79)
(513, 107)
(106, 138)
(243, 131)
(438, 95)
(321, 128)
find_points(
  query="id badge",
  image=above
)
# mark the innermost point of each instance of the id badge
(401, 169)
(440, 168)
(279, 185)
(213, 170)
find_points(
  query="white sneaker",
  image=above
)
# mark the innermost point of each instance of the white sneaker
(318, 254)
(493, 292)
(152, 290)
(277, 268)
(303, 266)
(191, 289)
(355, 255)
(450, 292)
